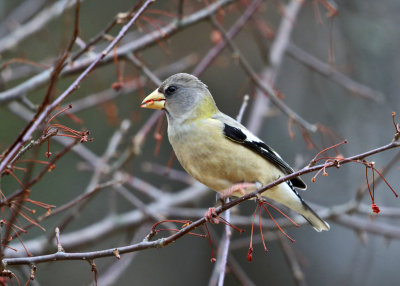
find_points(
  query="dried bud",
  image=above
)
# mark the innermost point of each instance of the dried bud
(122, 18)
(215, 37)
(158, 136)
(116, 253)
(375, 208)
(117, 86)
(250, 254)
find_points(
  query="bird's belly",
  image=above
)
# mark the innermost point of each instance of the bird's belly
(220, 165)
(202, 163)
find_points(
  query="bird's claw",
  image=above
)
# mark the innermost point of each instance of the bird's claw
(211, 216)
(239, 188)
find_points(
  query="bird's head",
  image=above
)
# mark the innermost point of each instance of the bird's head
(182, 96)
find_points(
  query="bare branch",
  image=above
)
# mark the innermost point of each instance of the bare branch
(328, 71)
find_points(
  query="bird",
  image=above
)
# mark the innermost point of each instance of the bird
(220, 152)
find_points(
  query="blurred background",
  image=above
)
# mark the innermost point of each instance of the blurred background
(337, 71)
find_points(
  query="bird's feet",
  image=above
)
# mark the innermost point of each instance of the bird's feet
(211, 216)
(239, 189)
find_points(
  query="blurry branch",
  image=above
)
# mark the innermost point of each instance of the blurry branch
(111, 149)
(387, 231)
(80, 198)
(265, 87)
(149, 74)
(180, 9)
(130, 86)
(110, 276)
(232, 264)
(358, 224)
(8, 74)
(233, 31)
(41, 117)
(92, 100)
(173, 174)
(276, 54)
(291, 258)
(328, 71)
(59, 64)
(149, 212)
(35, 24)
(118, 19)
(20, 14)
(239, 272)
(173, 27)
(282, 37)
(130, 47)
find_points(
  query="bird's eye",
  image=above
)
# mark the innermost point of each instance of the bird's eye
(171, 90)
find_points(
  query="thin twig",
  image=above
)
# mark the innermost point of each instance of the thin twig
(275, 58)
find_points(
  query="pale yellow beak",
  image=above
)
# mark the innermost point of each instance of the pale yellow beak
(154, 100)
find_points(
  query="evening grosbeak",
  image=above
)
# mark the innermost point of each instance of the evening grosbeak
(220, 152)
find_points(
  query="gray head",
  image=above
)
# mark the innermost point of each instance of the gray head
(182, 96)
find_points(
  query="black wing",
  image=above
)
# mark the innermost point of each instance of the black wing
(238, 136)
